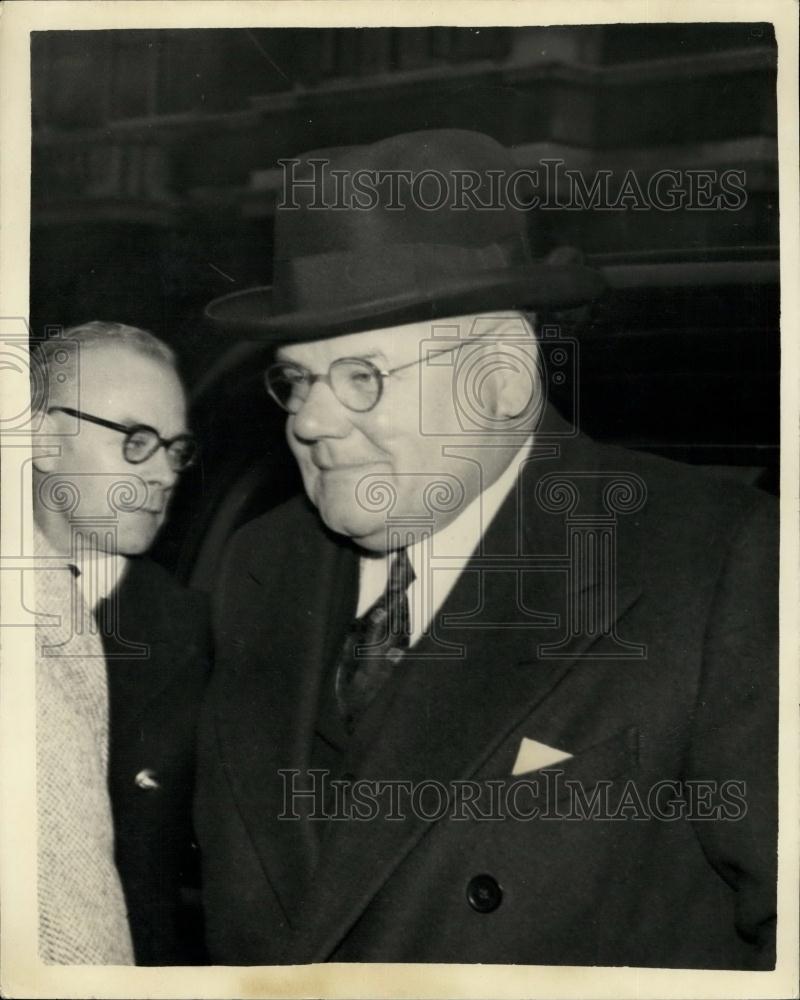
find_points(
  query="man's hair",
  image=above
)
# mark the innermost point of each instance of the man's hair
(55, 361)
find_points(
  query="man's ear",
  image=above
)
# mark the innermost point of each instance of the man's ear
(45, 460)
(515, 378)
(46, 446)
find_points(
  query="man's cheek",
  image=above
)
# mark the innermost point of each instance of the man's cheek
(310, 476)
(300, 451)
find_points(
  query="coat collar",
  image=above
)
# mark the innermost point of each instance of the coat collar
(144, 633)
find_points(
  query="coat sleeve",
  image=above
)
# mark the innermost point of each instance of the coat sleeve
(735, 728)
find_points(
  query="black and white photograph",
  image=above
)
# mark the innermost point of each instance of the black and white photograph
(406, 483)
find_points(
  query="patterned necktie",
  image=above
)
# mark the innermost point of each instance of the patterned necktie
(375, 644)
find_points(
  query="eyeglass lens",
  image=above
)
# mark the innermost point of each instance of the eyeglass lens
(141, 443)
(356, 384)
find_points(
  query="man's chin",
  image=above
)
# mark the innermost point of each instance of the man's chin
(366, 533)
(135, 543)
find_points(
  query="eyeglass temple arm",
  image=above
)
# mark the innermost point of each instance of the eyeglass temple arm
(122, 428)
(89, 418)
(430, 354)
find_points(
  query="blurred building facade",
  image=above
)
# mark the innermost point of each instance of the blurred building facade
(155, 176)
(155, 151)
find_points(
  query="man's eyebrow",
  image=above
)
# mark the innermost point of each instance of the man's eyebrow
(375, 355)
(130, 421)
(133, 421)
(136, 422)
(371, 356)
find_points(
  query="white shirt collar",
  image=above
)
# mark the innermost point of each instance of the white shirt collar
(454, 545)
(100, 574)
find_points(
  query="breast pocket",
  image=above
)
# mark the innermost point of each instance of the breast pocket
(579, 775)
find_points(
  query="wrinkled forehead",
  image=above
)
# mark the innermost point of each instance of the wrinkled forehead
(386, 343)
(119, 378)
(397, 343)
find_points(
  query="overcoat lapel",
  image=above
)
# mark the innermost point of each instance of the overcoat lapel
(269, 696)
(456, 712)
(141, 639)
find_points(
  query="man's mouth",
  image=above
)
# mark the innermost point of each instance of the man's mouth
(153, 508)
(156, 504)
(345, 467)
(325, 465)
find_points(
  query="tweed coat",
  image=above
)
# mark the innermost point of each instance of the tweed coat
(82, 914)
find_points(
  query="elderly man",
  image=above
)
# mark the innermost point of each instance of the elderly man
(111, 443)
(498, 693)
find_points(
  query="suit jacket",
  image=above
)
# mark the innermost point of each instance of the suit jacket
(658, 676)
(156, 638)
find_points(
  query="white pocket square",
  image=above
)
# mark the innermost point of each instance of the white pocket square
(533, 755)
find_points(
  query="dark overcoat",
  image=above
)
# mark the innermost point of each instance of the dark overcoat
(157, 641)
(623, 610)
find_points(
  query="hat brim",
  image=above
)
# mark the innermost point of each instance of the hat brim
(536, 286)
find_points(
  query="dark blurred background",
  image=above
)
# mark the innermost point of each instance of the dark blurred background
(155, 176)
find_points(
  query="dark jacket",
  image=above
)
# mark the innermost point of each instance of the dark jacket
(158, 659)
(661, 684)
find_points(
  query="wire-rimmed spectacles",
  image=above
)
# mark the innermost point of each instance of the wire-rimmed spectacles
(356, 382)
(142, 441)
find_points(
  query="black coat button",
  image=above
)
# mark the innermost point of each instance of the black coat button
(484, 893)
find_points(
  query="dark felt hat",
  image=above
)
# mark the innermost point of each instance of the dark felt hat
(419, 226)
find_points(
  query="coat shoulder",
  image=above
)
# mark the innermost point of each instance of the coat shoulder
(144, 574)
(291, 531)
(678, 492)
(154, 605)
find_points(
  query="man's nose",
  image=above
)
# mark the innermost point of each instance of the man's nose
(158, 471)
(321, 415)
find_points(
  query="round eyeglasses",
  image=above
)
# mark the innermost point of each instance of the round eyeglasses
(356, 382)
(142, 442)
